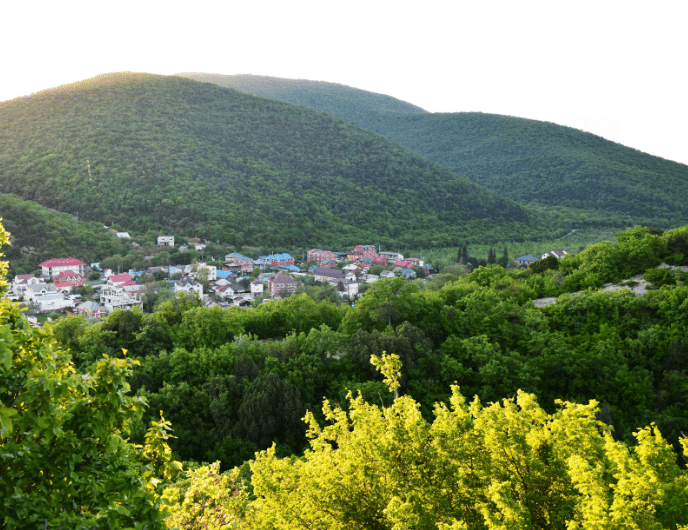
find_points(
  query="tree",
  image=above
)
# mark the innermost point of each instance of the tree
(65, 460)
(506, 465)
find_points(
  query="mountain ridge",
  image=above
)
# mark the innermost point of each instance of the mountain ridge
(533, 162)
(163, 152)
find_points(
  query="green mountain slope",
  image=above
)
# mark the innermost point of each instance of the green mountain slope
(153, 152)
(526, 160)
(38, 234)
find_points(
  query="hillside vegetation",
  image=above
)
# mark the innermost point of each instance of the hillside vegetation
(38, 234)
(526, 160)
(152, 152)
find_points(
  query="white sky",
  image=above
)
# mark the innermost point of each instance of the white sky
(612, 68)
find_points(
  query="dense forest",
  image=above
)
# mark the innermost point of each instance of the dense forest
(151, 152)
(236, 382)
(531, 162)
(38, 234)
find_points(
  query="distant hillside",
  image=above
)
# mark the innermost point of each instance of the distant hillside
(353, 104)
(153, 152)
(38, 234)
(526, 160)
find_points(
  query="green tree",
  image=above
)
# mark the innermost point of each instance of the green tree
(506, 465)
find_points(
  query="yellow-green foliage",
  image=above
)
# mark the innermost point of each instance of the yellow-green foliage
(505, 465)
(207, 500)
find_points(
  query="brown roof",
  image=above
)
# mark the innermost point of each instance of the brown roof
(283, 278)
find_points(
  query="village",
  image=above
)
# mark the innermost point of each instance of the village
(241, 281)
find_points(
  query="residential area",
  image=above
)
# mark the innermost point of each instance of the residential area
(68, 285)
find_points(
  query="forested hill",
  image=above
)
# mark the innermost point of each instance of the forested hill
(38, 234)
(154, 152)
(358, 106)
(526, 160)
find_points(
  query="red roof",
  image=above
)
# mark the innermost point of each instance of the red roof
(61, 262)
(116, 278)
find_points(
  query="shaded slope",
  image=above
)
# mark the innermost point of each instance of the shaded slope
(526, 160)
(171, 153)
(38, 234)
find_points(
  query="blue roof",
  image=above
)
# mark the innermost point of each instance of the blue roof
(223, 274)
(277, 257)
(290, 268)
(528, 257)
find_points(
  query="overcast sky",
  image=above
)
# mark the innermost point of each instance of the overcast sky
(612, 68)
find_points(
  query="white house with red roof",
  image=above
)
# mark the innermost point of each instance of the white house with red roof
(117, 280)
(53, 267)
(22, 281)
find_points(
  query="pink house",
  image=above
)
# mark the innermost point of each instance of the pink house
(72, 277)
(319, 255)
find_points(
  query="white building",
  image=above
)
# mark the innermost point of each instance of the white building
(189, 285)
(22, 281)
(35, 291)
(165, 241)
(212, 271)
(53, 267)
(257, 288)
(51, 302)
(116, 297)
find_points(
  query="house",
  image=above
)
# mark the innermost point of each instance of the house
(366, 251)
(22, 281)
(526, 260)
(224, 291)
(71, 277)
(222, 275)
(212, 271)
(123, 235)
(319, 256)
(237, 261)
(51, 302)
(34, 291)
(91, 310)
(53, 267)
(380, 260)
(189, 285)
(386, 274)
(322, 274)
(241, 301)
(63, 287)
(415, 262)
(117, 280)
(354, 255)
(198, 246)
(256, 288)
(391, 256)
(116, 297)
(278, 260)
(165, 241)
(409, 274)
(282, 281)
